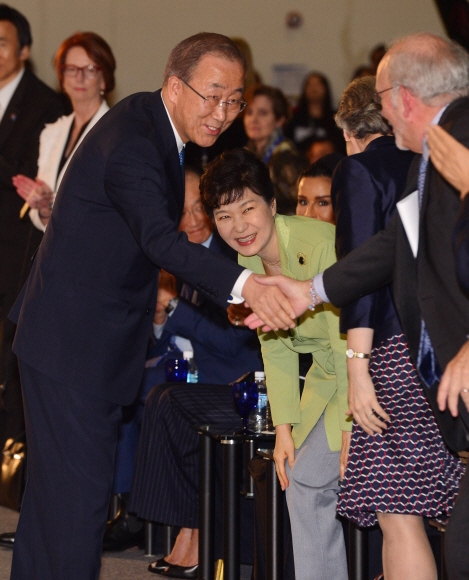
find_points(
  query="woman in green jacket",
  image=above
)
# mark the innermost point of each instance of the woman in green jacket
(311, 429)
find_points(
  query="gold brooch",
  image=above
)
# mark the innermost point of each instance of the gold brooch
(301, 258)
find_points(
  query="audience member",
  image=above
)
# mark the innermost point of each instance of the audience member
(86, 311)
(314, 189)
(376, 56)
(237, 191)
(285, 168)
(26, 104)
(221, 352)
(266, 113)
(318, 148)
(85, 68)
(380, 484)
(314, 116)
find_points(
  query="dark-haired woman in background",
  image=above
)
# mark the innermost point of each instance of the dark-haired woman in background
(314, 116)
(314, 189)
(398, 470)
(85, 67)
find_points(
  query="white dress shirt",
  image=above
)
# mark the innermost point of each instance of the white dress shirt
(7, 92)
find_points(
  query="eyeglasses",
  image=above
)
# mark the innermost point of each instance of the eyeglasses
(376, 96)
(89, 72)
(212, 102)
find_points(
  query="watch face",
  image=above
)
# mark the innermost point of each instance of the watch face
(349, 352)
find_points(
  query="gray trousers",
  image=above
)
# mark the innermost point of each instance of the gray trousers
(318, 541)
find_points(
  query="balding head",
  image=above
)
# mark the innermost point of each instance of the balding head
(434, 69)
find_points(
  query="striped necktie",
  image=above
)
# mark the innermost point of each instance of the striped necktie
(427, 365)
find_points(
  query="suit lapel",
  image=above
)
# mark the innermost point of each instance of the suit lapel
(169, 148)
(13, 110)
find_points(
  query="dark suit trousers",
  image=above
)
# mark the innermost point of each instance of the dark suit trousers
(71, 448)
(457, 535)
(165, 486)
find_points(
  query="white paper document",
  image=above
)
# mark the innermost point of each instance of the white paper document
(409, 213)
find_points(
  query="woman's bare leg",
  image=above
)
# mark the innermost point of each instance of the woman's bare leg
(406, 550)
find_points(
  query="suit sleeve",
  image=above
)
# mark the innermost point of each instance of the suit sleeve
(282, 374)
(364, 270)
(210, 326)
(357, 201)
(136, 182)
(461, 245)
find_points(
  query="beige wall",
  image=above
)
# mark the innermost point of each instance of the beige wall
(336, 35)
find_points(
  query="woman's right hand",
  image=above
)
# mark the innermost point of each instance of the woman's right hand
(35, 192)
(284, 449)
(363, 404)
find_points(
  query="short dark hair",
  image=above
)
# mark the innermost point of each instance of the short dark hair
(323, 167)
(358, 112)
(279, 101)
(19, 22)
(230, 174)
(96, 48)
(186, 55)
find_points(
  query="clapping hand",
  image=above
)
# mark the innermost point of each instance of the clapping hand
(34, 191)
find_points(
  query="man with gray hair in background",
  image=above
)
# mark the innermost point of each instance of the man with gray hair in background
(422, 80)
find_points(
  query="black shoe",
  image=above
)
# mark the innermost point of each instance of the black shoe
(181, 572)
(7, 540)
(159, 566)
(126, 531)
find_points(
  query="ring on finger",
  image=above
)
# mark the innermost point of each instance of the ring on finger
(371, 414)
(465, 390)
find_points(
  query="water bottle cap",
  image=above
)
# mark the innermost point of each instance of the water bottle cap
(188, 354)
(259, 375)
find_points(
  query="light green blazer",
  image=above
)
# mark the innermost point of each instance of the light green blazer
(306, 248)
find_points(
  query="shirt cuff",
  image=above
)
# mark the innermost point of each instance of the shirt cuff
(318, 282)
(34, 217)
(158, 330)
(237, 291)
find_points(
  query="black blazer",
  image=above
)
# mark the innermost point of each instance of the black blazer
(86, 312)
(32, 105)
(365, 190)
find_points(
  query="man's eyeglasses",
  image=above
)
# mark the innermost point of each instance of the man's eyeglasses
(212, 102)
(89, 72)
(376, 96)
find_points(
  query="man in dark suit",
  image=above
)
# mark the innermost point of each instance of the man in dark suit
(85, 313)
(422, 80)
(26, 104)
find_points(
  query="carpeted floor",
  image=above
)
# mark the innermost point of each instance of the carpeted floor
(128, 565)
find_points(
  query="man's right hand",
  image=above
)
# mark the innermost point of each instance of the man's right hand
(294, 292)
(269, 304)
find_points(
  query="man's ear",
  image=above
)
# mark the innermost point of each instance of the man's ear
(174, 89)
(408, 101)
(274, 206)
(25, 53)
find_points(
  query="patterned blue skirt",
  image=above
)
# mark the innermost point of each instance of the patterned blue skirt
(407, 469)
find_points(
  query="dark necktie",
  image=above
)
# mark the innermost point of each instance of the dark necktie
(427, 365)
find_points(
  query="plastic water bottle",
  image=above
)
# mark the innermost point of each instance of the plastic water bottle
(260, 418)
(192, 370)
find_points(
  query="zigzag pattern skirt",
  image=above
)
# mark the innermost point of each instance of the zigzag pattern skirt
(407, 469)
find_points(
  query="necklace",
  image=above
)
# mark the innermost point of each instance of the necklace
(273, 264)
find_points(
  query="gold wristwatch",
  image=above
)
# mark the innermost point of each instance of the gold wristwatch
(353, 354)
